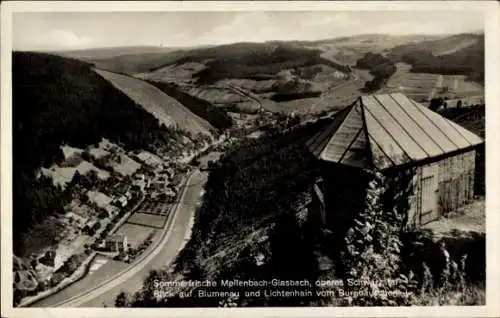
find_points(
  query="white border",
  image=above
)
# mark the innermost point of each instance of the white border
(492, 35)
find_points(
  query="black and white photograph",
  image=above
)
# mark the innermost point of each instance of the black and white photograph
(227, 155)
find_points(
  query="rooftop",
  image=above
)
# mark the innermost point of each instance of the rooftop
(388, 130)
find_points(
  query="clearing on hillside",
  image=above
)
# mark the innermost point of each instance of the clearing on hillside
(165, 108)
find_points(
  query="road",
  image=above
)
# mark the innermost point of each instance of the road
(131, 278)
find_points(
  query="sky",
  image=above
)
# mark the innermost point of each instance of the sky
(82, 30)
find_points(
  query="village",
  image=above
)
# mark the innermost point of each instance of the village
(117, 202)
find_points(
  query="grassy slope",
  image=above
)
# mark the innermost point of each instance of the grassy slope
(165, 108)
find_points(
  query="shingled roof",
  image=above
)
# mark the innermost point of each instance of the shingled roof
(388, 130)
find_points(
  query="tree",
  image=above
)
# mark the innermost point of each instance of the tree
(121, 299)
(436, 103)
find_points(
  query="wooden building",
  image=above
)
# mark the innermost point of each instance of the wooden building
(392, 132)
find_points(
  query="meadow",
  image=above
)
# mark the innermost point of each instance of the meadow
(136, 234)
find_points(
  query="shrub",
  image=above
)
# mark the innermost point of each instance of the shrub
(453, 288)
(372, 250)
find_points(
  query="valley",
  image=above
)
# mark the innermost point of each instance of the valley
(142, 163)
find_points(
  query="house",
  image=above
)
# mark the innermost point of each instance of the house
(122, 201)
(116, 243)
(390, 133)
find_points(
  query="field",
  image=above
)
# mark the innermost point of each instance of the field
(248, 95)
(333, 99)
(217, 95)
(165, 108)
(173, 73)
(147, 220)
(151, 214)
(425, 86)
(136, 234)
(249, 84)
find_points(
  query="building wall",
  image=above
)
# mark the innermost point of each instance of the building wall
(439, 187)
(442, 187)
(456, 181)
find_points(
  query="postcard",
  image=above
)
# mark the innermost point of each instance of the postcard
(291, 159)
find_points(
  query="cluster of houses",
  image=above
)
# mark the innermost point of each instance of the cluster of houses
(93, 206)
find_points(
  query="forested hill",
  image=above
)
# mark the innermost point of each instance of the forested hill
(457, 54)
(59, 101)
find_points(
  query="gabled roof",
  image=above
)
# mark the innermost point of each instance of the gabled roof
(388, 130)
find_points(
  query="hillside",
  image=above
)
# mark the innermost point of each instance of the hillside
(60, 101)
(461, 54)
(253, 61)
(246, 216)
(112, 52)
(441, 46)
(318, 72)
(349, 49)
(166, 109)
(135, 60)
(245, 77)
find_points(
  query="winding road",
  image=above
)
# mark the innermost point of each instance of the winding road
(162, 254)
